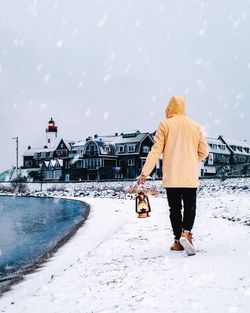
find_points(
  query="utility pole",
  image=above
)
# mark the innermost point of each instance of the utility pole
(17, 142)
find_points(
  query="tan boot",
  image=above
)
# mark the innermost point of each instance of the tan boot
(176, 246)
(187, 234)
(186, 242)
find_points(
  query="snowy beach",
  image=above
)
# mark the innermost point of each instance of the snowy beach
(118, 263)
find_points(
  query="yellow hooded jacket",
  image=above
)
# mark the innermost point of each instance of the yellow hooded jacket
(183, 145)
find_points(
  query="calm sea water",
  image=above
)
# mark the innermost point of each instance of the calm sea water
(29, 227)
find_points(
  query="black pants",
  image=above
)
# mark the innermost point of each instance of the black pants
(181, 222)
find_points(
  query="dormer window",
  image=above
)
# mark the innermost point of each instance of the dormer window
(222, 147)
(120, 149)
(107, 149)
(240, 149)
(131, 148)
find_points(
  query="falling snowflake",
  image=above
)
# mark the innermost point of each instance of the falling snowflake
(239, 97)
(106, 115)
(59, 43)
(102, 21)
(201, 32)
(74, 160)
(15, 105)
(137, 24)
(151, 114)
(236, 23)
(18, 42)
(199, 61)
(162, 8)
(112, 56)
(200, 84)
(43, 106)
(87, 112)
(39, 67)
(106, 78)
(127, 69)
(46, 78)
(242, 115)
(55, 7)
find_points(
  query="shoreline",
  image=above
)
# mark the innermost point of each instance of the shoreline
(119, 263)
(36, 264)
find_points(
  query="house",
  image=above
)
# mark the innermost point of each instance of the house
(51, 159)
(219, 156)
(109, 157)
(121, 156)
(239, 157)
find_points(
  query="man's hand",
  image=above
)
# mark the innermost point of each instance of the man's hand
(141, 180)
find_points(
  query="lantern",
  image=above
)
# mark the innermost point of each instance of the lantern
(142, 206)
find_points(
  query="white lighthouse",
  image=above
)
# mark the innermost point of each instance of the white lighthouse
(51, 134)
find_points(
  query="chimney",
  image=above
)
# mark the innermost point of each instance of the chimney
(116, 134)
(95, 136)
(29, 147)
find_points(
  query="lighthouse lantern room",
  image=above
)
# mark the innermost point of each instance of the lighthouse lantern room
(51, 134)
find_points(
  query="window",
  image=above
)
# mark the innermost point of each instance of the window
(39, 154)
(145, 149)
(222, 147)
(131, 162)
(107, 149)
(47, 154)
(92, 164)
(240, 149)
(91, 149)
(131, 148)
(120, 149)
(28, 163)
(61, 153)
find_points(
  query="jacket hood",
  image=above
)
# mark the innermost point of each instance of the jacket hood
(176, 106)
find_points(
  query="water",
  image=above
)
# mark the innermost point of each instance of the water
(30, 227)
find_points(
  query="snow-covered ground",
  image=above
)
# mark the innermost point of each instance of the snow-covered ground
(119, 263)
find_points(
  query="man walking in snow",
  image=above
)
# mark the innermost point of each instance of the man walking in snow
(183, 145)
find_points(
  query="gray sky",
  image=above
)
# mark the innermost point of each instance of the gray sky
(109, 65)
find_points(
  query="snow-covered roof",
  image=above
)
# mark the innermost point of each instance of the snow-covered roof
(217, 146)
(31, 152)
(237, 143)
(116, 139)
(238, 146)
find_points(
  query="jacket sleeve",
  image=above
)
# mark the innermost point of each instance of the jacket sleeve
(202, 147)
(156, 150)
